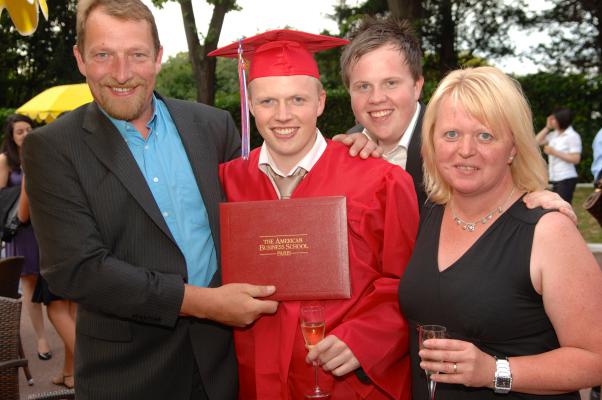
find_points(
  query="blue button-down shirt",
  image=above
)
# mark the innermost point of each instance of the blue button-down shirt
(165, 166)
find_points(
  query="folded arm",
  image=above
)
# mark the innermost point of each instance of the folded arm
(572, 158)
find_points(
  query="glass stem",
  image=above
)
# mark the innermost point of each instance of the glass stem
(317, 388)
(431, 386)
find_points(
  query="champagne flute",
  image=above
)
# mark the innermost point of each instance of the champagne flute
(430, 332)
(313, 326)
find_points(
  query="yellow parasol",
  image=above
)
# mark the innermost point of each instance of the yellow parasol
(25, 13)
(49, 104)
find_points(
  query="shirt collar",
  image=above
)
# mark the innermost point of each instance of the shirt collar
(307, 162)
(124, 126)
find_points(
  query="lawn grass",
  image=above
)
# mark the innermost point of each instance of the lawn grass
(588, 226)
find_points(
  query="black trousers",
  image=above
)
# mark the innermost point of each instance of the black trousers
(565, 188)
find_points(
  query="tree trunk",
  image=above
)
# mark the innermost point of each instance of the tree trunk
(412, 10)
(406, 9)
(447, 49)
(203, 67)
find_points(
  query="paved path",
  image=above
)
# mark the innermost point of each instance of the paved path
(42, 371)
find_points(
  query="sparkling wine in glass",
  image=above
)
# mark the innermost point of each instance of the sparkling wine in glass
(430, 332)
(313, 326)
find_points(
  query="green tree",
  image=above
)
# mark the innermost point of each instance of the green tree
(203, 67)
(175, 79)
(30, 64)
(575, 36)
(447, 28)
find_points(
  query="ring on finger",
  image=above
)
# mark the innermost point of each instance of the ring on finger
(455, 368)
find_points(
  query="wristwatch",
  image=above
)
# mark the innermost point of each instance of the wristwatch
(502, 382)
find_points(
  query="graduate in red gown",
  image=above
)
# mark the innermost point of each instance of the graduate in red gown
(364, 354)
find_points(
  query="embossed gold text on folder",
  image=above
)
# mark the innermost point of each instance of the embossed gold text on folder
(298, 245)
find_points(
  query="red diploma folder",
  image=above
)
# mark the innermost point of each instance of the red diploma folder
(297, 245)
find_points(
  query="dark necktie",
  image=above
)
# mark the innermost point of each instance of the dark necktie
(286, 184)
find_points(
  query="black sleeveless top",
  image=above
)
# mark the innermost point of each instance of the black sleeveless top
(485, 297)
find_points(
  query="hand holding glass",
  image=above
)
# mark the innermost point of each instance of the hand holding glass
(313, 326)
(430, 332)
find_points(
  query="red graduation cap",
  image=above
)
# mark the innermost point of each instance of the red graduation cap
(281, 52)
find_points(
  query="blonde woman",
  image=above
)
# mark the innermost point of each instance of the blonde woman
(517, 289)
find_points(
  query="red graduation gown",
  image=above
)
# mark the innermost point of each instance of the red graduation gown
(382, 218)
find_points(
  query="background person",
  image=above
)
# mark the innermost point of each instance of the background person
(24, 243)
(505, 280)
(563, 146)
(61, 313)
(124, 196)
(364, 353)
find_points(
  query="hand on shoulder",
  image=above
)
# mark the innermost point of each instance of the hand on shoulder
(550, 200)
(359, 144)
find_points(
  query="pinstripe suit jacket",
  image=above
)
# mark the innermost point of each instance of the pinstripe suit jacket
(105, 245)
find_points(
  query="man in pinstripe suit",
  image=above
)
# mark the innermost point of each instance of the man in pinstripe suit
(124, 195)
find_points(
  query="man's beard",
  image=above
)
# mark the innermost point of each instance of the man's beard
(126, 109)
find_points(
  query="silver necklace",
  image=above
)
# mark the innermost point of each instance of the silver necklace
(471, 226)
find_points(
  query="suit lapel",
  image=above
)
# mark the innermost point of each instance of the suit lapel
(111, 149)
(414, 163)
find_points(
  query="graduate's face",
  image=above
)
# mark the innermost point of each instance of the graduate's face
(286, 109)
(384, 93)
(120, 64)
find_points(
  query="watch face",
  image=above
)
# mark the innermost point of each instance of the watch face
(503, 382)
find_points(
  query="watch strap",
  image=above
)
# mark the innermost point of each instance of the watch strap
(502, 381)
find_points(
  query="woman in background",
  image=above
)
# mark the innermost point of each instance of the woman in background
(517, 289)
(61, 313)
(24, 243)
(563, 146)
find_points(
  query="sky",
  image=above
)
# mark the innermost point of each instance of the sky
(258, 16)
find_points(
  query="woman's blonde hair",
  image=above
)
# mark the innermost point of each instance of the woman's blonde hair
(497, 101)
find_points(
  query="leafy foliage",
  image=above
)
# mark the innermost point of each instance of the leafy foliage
(31, 64)
(4, 113)
(575, 36)
(450, 28)
(175, 79)
(203, 67)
